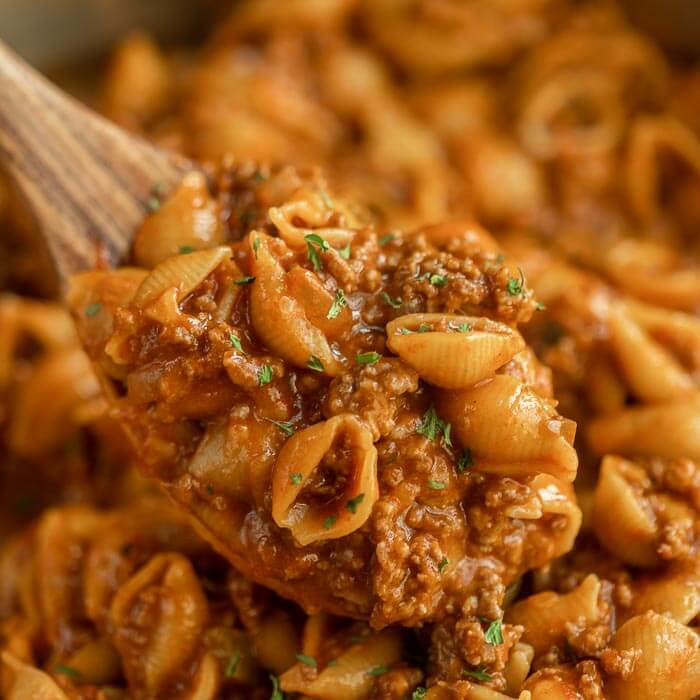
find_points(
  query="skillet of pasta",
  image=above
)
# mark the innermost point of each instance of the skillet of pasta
(396, 399)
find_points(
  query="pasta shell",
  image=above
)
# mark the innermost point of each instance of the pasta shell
(97, 662)
(447, 357)
(189, 218)
(518, 667)
(296, 464)
(652, 374)
(557, 498)
(622, 523)
(674, 592)
(184, 272)
(316, 301)
(277, 315)
(667, 663)
(351, 678)
(560, 683)
(669, 430)
(547, 616)
(68, 378)
(315, 212)
(28, 682)
(168, 591)
(510, 429)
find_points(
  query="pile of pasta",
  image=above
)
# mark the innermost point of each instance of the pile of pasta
(414, 363)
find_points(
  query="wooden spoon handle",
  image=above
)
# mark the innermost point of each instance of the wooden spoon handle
(86, 181)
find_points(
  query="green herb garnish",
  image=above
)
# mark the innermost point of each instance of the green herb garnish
(68, 671)
(256, 245)
(432, 425)
(419, 693)
(386, 239)
(515, 286)
(236, 342)
(185, 249)
(464, 327)
(539, 306)
(378, 671)
(437, 485)
(423, 328)
(344, 252)
(314, 244)
(479, 674)
(394, 303)
(286, 427)
(337, 306)
(466, 460)
(232, 665)
(315, 364)
(92, 309)
(367, 358)
(265, 375)
(438, 280)
(248, 279)
(307, 660)
(296, 478)
(153, 204)
(277, 694)
(329, 522)
(494, 634)
(332, 663)
(443, 564)
(352, 504)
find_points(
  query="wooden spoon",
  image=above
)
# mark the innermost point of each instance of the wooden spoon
(87, 183)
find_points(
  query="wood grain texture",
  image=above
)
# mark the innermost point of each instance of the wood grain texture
(87, 183)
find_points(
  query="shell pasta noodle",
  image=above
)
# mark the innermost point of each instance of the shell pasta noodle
(398, 398)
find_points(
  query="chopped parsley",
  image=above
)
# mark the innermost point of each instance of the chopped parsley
(68, 671)
(344, 252)
(466, 460)
(394, 303)
(248, 279)
(315, 244)
(437, 485)
(423, 328)
(494, 634)
(539, 306)
(158, 189)
(404, 331)
(378, 671)
(259, 177)
(277, 694)
(515, 286)
(419, 693)
(443, 564)
(210, 488)
(286, 427)
(332, 663)
(464, 327)
(329, 522)
(337, 306)
(265, 374)
(367, 358)
(232, 665)
(185, 249)
(438, 280)
(386, 239)
(479, 674)
(256, 245)
(92, 309)
(315, 364)
(296, 477)
(352, 504)
(153, 204)
(432, 425)
(326, 199)
(236, 342)
(307, 660)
